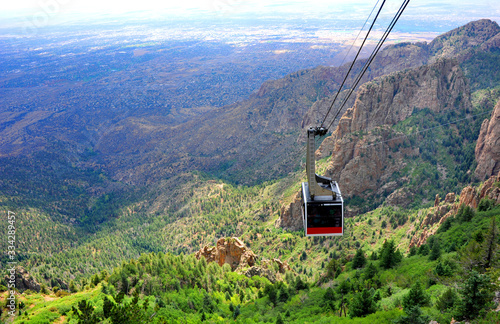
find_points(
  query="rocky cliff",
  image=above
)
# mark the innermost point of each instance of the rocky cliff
(365, 148)
(488, 146)
(367, 151)
(257, 138)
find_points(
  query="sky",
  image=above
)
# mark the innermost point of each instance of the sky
(55, 12)
(189, 6)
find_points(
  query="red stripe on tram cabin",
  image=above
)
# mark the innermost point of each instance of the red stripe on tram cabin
(324, 230)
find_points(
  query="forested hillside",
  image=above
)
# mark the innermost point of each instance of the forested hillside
(374, 278)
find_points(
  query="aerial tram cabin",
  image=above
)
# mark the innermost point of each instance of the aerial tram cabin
(322, 203)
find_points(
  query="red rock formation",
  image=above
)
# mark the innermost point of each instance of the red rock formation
(283, 265)
(228, 250)
(469, 197)
(435, 215)
(488, 146)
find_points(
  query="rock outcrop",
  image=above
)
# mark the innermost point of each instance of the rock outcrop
(367, 151)
(459, 41)
(401, 197)
(261, 272)
(266, 270)
(450, 198)
(491, 189)
(291, 215)
(470, 196)
(24, 280)
(282, 265)
(436, 201)
(228, 250)
(488, 146)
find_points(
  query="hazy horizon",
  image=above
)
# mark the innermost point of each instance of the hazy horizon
(427, 16)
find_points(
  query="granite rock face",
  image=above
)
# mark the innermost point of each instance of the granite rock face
(488, 146)
(366, 150)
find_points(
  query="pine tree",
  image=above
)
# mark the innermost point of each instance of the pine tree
(85, 313)
(389, 257)
(236, 312)
(332, 269)
(329, 298)
(435, 251)
(470, 256)
(343, 289)
(477, 294)
(447, 300)
(359, 259)
(465, 213)
(490, 245)
(370, 271)
(72, 287)
(283, 294)
(362, 304)
(271, 292)
(107, 306)
(415, 297)
(413, 315)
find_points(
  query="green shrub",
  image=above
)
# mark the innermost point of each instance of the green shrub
(485, 204)
(465, 213)
(359, 259)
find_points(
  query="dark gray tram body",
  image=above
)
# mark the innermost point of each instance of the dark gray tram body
(323, 216)
(322, 203)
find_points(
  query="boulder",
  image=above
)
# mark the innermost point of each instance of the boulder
(261, 272)
(450, 198)
(469, 197)
(228, 250)
(436, 201)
